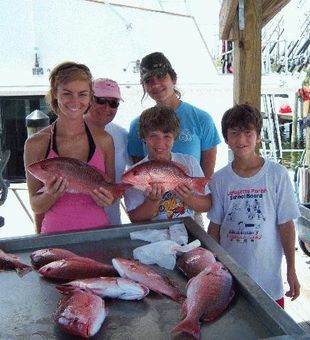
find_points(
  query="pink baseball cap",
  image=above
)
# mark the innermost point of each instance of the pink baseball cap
(104, 87)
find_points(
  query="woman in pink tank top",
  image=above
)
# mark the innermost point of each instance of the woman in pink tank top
(56, 210)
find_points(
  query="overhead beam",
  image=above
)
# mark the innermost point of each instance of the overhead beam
(226, 19)
(229, 10)
(271, 8)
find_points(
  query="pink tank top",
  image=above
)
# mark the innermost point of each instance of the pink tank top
(75, 211)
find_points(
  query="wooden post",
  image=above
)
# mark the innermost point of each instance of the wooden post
(294, 123)
(308, 155)
(247, 55)
(300, 132)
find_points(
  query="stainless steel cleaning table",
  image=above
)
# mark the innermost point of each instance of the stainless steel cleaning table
(27, 304)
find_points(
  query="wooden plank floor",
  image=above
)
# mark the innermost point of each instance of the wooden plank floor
(299, 309)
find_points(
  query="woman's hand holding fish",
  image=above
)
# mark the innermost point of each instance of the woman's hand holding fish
(103, 197)
(56, 186)
(45, 197)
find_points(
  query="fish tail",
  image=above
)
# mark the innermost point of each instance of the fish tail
(188, 326)
(23, 270)
(199, 184)
(42, 190)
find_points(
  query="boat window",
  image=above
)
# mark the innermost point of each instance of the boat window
(13, 111)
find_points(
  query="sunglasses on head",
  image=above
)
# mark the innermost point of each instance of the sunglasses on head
(66, 66)
(113, 103)
(158, 75)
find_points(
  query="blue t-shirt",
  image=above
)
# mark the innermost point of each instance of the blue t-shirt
(197, 133)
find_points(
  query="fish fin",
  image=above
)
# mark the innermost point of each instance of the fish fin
(188, 326)
(41, 190)
(106, 178)
(199, 184)
(188, 282)
(210, 316)
(98, 170)
(182, 167)
(66, 289)
(23, 271)
(184, 309)
(213, 315)
(176, 296)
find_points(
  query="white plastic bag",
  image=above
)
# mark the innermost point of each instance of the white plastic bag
(162, 253)
(150, 235)
(178, 233)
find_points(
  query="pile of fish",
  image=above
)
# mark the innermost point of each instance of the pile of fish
(209, 290)
(85, 283)
(82, 310)
(210, 286)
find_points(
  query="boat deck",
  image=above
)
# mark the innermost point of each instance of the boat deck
(18, 222)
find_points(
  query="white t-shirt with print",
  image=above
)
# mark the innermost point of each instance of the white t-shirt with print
(249, 211)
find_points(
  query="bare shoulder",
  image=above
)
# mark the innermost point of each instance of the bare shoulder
(36, 145)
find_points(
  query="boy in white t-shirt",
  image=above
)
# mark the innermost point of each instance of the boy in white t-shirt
(158, 127)
(253, 206)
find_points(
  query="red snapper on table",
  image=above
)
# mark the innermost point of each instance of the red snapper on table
(76, 268)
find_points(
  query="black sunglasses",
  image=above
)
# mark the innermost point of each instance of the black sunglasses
(114, 103)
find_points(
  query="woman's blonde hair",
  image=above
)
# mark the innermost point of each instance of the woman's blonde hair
(64, 73)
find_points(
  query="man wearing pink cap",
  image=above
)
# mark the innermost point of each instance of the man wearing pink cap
(107, 97)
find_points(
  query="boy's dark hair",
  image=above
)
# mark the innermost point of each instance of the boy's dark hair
(158, 118)
(242, 116)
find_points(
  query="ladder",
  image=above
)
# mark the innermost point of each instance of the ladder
(270, 134)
